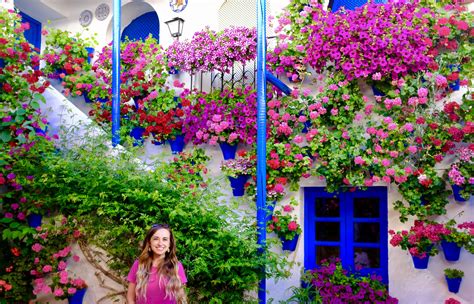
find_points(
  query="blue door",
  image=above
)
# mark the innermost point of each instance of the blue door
(33, 35)
(349, 225)
(142, 26)
(348, 4)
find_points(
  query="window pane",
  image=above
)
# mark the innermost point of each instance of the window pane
(366, 258)
(366, 207)
(325, 252)
(327, 207)
(327, 231)
(366, 232)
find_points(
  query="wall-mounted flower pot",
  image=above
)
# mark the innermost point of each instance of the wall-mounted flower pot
(90, 54)
(270, 208)
(453, 284)
(137, 134)
(421, 263)
(237, 184)
(454, 85)
(457, 194)
(451, 250)
(377, 92)
(289, 245)
(307, 125)
(86, 98)
(173, 71)
(34, 220)
(228, 150)
(177, 144)
(78, 297)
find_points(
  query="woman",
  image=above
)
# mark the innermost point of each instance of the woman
(157, 276)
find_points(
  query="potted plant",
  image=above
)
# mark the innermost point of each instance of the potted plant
(332, 281)
(19, 81)
(453, 278)
(459, 237)
(64, 286)
(65, 53)
(238, 170)
(286, 227)
(419, 241)
(461, 174)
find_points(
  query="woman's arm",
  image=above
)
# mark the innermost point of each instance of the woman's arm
(131, 293)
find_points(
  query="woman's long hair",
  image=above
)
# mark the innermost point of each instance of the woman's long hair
(167, 269)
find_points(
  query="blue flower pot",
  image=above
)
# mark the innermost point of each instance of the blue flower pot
(173, 71)
(90, 54)
(421, 263)
(78, 297)
(307, 125)
(457, 194)
(237, 184)
(289, 245)
(137, 134)
(34, 220)
(60, 71)
(2, 63)
(270, 208)
(103, 100)
(86, 98)
(453, 284)
(177, 144)
(377, 92)
(228, 150)
(455, 85)
(451, 250)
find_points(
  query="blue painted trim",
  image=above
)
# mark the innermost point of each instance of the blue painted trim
(261, 137)
(33, 35)
(142, 26)
(116, 73)
(278, 83)
(349, 4)
(347, 220)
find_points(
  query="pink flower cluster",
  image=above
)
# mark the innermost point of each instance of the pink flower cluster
(228, 116)
(420, 238)
(376, 38)
(208, 50)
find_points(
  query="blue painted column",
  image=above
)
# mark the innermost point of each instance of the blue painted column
(261, 138)
(116, 73)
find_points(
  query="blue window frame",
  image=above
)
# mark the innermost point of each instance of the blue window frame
(33, 35)
(350, 225)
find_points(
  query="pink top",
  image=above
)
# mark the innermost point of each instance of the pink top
(156, 290)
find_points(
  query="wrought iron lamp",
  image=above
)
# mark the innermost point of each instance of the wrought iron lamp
(175, 27)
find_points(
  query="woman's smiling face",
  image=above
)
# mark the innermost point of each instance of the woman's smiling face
(160, 242)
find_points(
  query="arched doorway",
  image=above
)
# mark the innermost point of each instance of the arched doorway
(143, 26)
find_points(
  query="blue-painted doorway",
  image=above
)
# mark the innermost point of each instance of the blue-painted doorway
(334, 5)
(350, 225)
(141, 27)
(33, 35)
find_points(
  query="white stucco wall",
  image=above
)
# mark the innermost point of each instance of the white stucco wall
(406, 283)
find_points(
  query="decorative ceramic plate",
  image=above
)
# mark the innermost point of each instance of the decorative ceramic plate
(102, 11)
(86, 18)
(178, 5)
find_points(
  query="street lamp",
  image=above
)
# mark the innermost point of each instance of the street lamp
(175, 26)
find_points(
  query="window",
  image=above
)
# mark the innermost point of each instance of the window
(348, 225)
